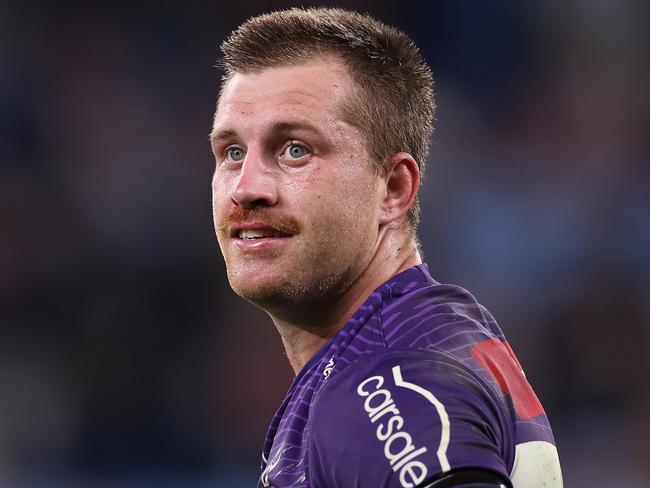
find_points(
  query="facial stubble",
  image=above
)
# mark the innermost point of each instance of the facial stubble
(315, 273)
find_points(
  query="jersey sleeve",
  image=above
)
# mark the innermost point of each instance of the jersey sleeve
(398, 419)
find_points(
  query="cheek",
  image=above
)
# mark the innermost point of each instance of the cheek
(219, 191)
(347, 206)
(357, 193)
(220, 205)
(214, 185)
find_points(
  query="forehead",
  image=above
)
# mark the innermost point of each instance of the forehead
(312, 90)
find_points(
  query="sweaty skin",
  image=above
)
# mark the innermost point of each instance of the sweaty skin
(291, 172)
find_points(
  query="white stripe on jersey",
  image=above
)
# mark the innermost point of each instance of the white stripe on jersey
(442, 413)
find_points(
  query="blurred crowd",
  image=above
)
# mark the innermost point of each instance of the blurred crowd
(125, 359)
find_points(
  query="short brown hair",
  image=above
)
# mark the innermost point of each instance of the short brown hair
(394, 105)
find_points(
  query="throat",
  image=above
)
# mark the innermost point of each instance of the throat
(302, 342)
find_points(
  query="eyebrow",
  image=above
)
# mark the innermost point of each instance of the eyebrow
(221, 134)
(277, 127)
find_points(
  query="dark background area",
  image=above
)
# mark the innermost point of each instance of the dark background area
(125, 359)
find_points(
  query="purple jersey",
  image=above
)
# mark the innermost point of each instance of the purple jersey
(418, 382)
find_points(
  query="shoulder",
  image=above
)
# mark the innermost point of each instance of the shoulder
(435, 315)
(397, 418)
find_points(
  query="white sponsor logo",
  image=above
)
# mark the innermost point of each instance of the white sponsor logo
(268, 467)
(285, 466)
(329, 366)
(399, 449)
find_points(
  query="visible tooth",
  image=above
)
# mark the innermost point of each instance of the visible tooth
(252, 234)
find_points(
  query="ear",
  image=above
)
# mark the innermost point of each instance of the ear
(402, 181)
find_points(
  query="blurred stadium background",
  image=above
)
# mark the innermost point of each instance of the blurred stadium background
(126, 361)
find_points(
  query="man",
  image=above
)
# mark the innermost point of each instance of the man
(320, 136)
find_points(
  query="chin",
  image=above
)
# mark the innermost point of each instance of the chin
(279, 294)
(272, 299)
(255, 288)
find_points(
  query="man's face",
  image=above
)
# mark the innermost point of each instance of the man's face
(295, 199)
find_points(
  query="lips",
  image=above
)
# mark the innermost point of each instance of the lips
(257, 225)
(258, 234)
(258, 239)
(256, 231)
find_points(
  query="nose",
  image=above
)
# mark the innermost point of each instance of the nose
(255, 185)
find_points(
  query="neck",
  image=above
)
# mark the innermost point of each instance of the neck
(304, 334)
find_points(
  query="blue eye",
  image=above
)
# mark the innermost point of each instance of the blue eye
(235, 153)
(297, 151)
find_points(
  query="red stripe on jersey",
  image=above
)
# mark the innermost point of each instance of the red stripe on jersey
(499, 360)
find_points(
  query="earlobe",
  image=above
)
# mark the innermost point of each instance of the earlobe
(402, 181)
